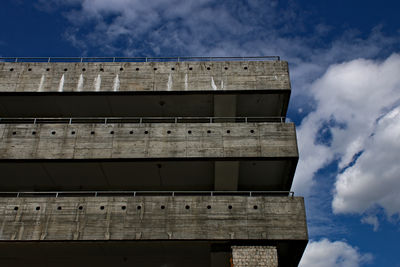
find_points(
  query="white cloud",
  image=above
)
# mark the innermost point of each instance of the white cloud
(203, 27)
(332, 254)
(372, 220)
(375, 177)
(350, 98)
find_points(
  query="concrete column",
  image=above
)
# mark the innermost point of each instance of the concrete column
(254, 256)
(219, 259)
(227, 172)
(226, 175)
(225, 105)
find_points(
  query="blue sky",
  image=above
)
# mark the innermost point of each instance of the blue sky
(344, 61)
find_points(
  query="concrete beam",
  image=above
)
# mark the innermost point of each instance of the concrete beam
(144, 76)
(153, 218)
(147, 141)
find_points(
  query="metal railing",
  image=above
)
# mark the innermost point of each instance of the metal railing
(143, 193)
(133, 59)
(109, 120)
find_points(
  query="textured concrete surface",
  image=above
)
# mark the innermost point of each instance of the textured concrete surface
(198, 156)
(116, 141)
(144, 89)
(153, 218)
(141, 76)
(148, 156)
(254, 256)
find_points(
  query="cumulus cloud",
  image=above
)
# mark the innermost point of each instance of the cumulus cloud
(372, 220)
(332, 254)
(178, 27)
(357, 123)
(374, 179)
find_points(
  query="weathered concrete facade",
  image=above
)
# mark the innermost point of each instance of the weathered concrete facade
(153, 218)
(144, 89)
(114, 141)
(227, 136)
(140, 76)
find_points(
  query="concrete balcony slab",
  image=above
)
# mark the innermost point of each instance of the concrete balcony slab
(259, 88)
(148, 156)
(203, 223)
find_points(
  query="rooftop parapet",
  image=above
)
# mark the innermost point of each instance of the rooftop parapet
(144, 76)
(199, 88)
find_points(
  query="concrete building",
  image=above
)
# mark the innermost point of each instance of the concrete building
(131, 162)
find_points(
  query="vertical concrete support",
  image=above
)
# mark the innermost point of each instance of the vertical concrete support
(225, 105)
(254, 256)
(219, 259)
(226, 175)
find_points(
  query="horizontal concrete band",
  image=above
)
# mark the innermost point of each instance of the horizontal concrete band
(139, 141)
(153, 218)
(142, 76)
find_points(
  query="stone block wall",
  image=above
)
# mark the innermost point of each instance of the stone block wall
(254, 256)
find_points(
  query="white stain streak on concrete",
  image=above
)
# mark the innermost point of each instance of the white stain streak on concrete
(116, 83)
(61, 85)
(41, 83)
(169, 84)
(80, 83)
(97, 83)
(214, 87)
(186, 81)
(222, 84)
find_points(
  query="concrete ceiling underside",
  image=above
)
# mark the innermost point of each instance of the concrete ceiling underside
(264, 103)
(177, 175)
(135, 253)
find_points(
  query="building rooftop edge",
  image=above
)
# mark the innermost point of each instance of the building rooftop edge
(134, 59)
